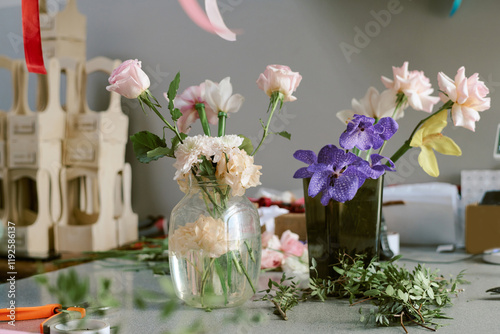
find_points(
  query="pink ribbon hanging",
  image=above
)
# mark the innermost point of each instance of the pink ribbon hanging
(211, 21)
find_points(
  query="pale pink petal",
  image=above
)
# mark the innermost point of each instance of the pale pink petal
(345, 115)
(225, 88)
(457, 116)
(212, 23)
(234, 103)
(217, 22)
(212, 96)
(428, 103)
(462, 87)
(388, 83)
(447, 86)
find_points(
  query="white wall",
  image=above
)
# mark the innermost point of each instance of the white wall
(307, 36)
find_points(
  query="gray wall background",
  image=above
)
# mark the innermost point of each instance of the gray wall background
(307, 36)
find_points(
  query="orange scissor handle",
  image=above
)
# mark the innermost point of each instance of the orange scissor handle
(27, 313)
(72, 313)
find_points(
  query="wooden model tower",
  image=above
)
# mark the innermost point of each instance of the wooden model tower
(63, 177)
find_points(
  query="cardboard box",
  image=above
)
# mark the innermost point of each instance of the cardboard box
(295, 222)
(482, 227)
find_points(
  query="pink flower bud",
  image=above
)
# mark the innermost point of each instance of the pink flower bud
(128, 79)
(279, 78)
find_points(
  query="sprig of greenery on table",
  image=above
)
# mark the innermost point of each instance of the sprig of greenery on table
(400, 295)
(284, 295)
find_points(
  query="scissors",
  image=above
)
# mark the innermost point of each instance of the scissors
(54, 313)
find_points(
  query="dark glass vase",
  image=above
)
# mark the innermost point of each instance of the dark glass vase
(352, 227)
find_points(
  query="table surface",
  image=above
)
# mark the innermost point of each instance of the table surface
(474, 310)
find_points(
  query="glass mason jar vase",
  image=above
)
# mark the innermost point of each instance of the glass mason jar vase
(214, 246)
(351, 228)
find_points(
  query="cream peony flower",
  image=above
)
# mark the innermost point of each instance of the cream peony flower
(206, 234)
(238, 171)
(224, 144)
(183, 240)
(373, 104)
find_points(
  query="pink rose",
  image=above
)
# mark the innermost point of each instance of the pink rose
(415, 86)
(271, 259)
(186, 103)
(279, 78)
(266, 237)
(128, 79)
(469, 95)
(290, 244)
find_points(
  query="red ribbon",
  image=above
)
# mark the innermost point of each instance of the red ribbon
(31, 36)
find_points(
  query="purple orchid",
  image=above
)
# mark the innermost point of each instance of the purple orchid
(376, 168)
(335, 173)
(308, 157)
(362, 133)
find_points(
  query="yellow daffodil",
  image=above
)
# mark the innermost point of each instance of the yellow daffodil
(430, 138)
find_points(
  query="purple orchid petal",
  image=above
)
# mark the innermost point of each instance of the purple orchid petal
(386, 127)
(302, 173)
(319, 167)
(361, 133)
(345, 187)
(327, 153)
(377, 162)
(318, 183)
(306, 156)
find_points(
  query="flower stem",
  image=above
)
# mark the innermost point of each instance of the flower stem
(205, 278)
(200, 107)
(222, 123)
(400, 101)
(273, 103)
(242, 268)
(144, 98)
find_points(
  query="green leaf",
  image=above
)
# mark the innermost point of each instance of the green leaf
(175, 114)
(389, 290)
(145, 141)
(247, 145)
(372, 292)
(207, 168)
(160, 152)
(172, 91)
(285, 134)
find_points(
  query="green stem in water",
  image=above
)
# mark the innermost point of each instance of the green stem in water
(205, 278)
(273, 103)
(222, 123)
(203, 188)
(245, 271)
(200, 107)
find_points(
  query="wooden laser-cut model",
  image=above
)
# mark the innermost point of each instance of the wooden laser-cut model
(63, 176)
